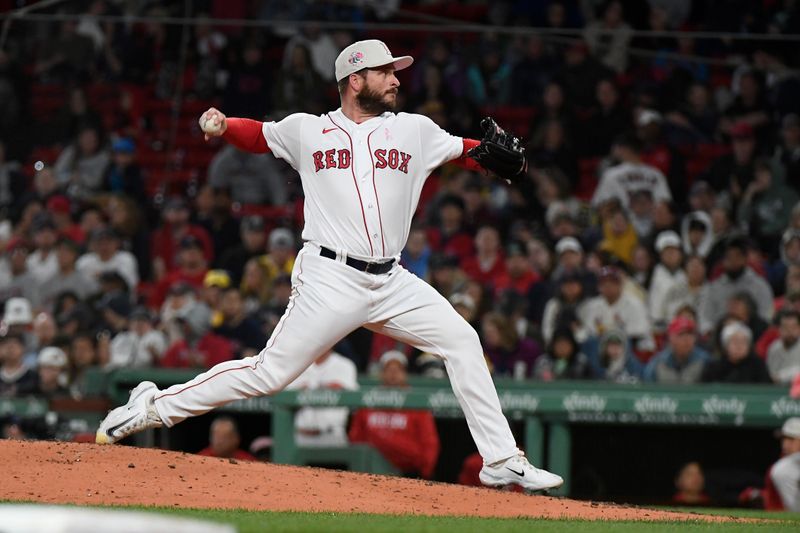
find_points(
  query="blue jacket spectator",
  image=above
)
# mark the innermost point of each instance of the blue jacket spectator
(682, 361)
(612, 358)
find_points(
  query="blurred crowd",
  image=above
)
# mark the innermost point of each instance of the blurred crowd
(655, 238)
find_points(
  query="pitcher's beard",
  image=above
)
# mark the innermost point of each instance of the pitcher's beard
(371, 102)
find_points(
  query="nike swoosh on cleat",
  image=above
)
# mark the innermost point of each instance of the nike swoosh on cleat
(520, 474)
(328, 130)
(110, 431)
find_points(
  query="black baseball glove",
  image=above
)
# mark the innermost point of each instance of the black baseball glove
(500, 152)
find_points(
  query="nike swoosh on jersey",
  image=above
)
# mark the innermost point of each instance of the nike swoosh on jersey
(328, 130)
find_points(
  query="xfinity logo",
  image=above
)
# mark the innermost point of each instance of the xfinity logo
(384, 398)
(785, 407)
(519, 402)
(723, 406)
(443, 400)
(318, 397)
(655, 404)
(584, 402)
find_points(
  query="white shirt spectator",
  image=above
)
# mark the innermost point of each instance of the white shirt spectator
(324, 426)
(627, 314)
(42, 268)
(122, 261)
(626, 179)
(783, 363)
(130, 350)
(660, 284)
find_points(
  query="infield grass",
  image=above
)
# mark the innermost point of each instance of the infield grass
(257, 522)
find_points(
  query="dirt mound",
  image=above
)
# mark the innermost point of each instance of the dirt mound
(55, 472)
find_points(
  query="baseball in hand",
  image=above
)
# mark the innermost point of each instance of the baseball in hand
(212, 126)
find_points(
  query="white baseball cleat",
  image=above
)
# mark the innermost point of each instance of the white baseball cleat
(136, 415)
(517, 470)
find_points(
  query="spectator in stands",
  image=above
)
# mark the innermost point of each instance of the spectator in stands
(659, 154)
(612, 359)
(106, 254)
(83, 354)
(667, 274)
(254, 240)
(224, 441)
(531, 73)
(281, 254)
(551, 147)
(213, 213)
(297, 85)
(489, 77)
(191, 268)
(248, 89)
(406, 438)
(72, 117)
(737, 278)
(682, 361)
(446, 277)
(42, 263)
(742, 308)
(321, 47)
(251, 178)
(123, 175)
(611, 48)
(783, 355)
(690, 484)
(691, 291)
(52, 373)
(732, 173)
(465, 306)
(630, 176)
(782, 490)
(165, 239)
(19, 282)
(324, 426)
(580, 74)
(614, 308)
(18, 318)
(60, 208)
(642, 265)
(81, 166)
(11, 180)
(563, 359)
(44, 330)
(130, 222)
(765, 207)
(214, 283)
(696, 119)
(488, 265)
(244, 332)
(507, 352)
(16, 379)
(447, 235)
(273, 310)
(256, 288)
(570, 302)
(697, 234)
(140, 345)
(750, 107)
(519, 276)
(67, 276)
(195, 346)
(608, 121)
(417, 254)
(738, 363)
(787, 153)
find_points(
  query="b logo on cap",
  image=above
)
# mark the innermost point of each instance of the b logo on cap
(356, 58)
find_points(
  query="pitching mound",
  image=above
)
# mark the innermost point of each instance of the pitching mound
(54, 472)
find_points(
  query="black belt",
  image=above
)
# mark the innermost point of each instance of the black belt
(361, 266)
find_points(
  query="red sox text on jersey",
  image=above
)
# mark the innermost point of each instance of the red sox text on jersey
(392, 158)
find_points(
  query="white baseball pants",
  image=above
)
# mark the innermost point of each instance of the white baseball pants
(329, 300)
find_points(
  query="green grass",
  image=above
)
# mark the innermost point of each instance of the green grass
(259, 521)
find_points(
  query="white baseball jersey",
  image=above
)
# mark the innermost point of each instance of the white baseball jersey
(625, 180)
(361, 181)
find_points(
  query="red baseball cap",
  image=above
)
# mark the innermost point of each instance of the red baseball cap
(681, 324)
(742, 130)
(58, 204)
